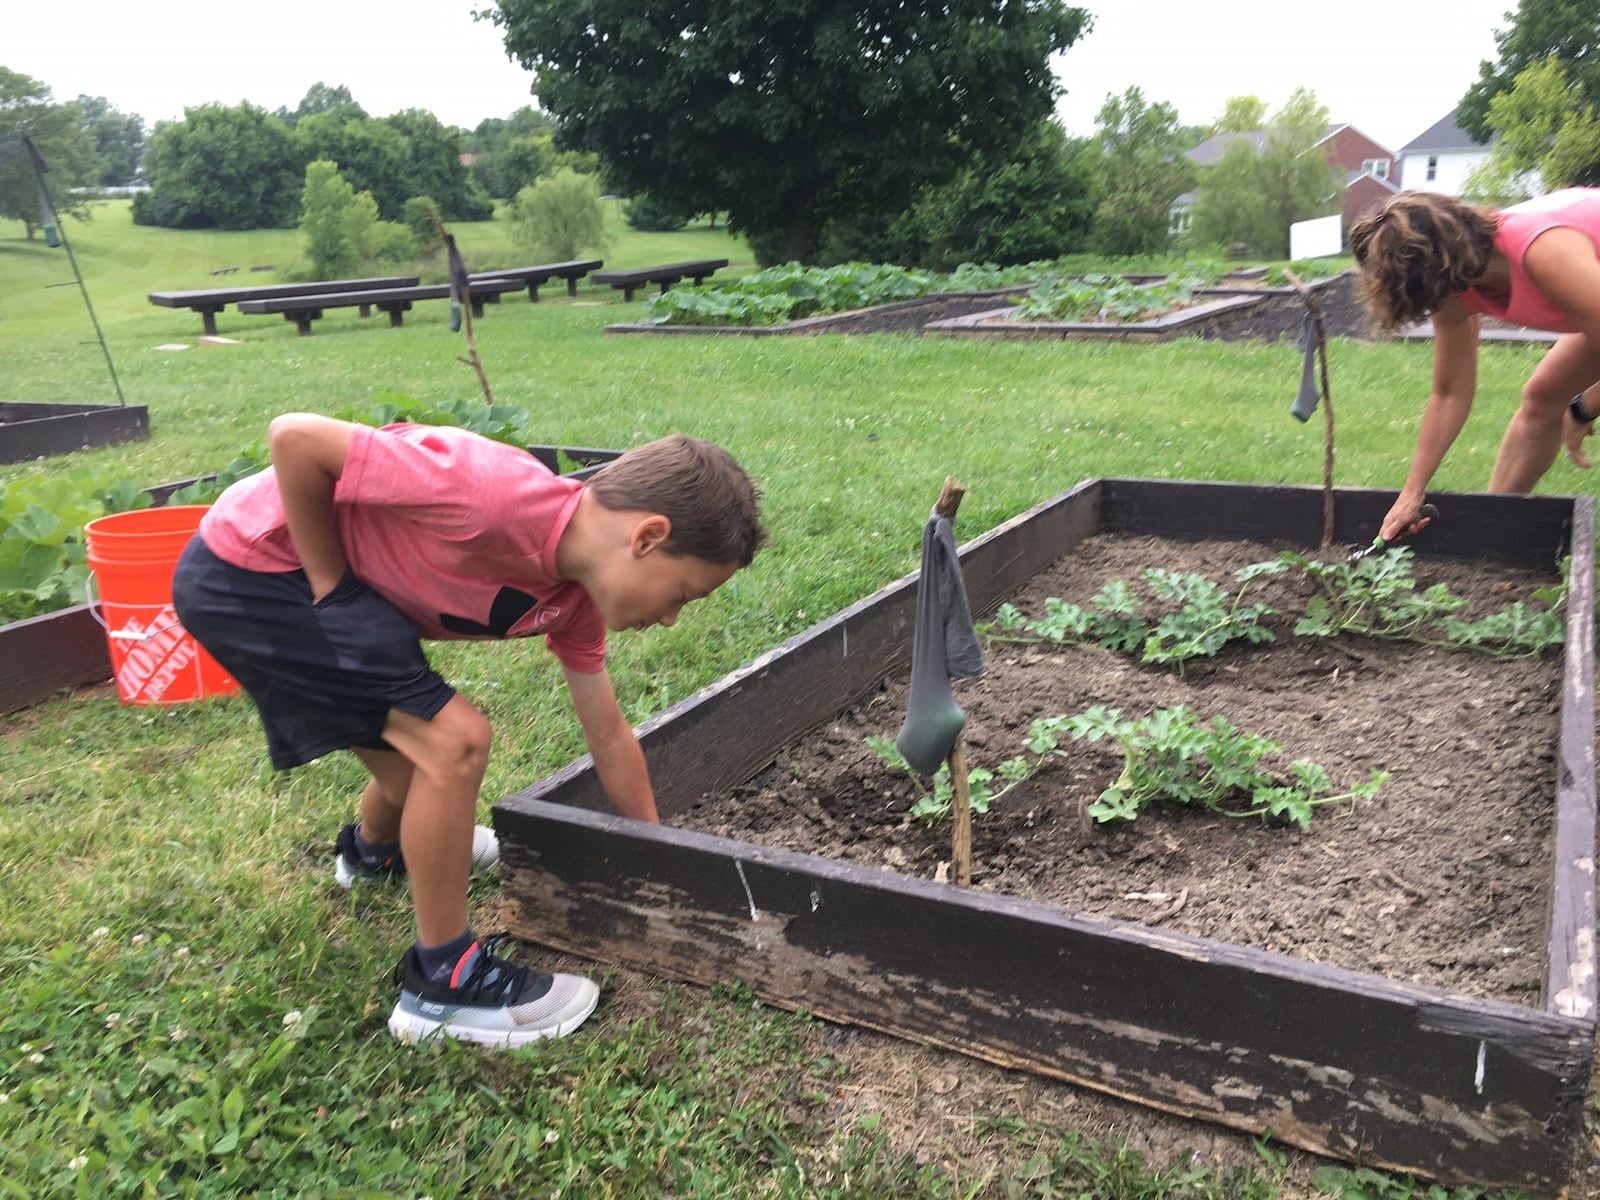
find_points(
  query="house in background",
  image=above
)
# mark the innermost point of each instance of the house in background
(1370, 168)
(1440, 157)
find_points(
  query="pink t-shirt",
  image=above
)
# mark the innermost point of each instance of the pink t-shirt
(455, 530)
(1520, 224)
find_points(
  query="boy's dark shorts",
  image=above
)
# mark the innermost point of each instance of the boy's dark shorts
(324, 676)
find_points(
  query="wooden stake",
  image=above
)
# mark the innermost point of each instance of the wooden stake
(960, 793)
(1327, 407)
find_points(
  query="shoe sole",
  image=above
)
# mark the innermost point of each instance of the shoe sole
(413, 1029)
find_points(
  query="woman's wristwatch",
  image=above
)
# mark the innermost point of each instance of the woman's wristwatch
(1579, 414)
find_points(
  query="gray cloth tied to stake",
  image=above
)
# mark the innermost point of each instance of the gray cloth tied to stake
(1306, 402)
(943, 644)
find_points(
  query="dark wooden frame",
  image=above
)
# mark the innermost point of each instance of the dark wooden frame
(303, 310)
(666, 275)
(30, 430)
(208, 302)
(1343, 1063)
(534, 277)
(66, 649)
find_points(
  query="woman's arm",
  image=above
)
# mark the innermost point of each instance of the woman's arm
(1455, 380)
(308, 454)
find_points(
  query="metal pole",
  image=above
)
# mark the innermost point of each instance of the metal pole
(39, 168)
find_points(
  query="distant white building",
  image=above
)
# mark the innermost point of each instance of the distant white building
(1439, 158)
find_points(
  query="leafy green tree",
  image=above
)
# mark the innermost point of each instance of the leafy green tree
(645, 212)
(221, 167)
(1566, 30)
(27, 109)
(786, 115)
(1250, 197)
(1240, 114)
(515, 165)
(421, 217)
(341, 225)
(559, 216)
(1145, 168)
(435, 168)
(1549, 134)
(118, 140)
(320, 99)
(372, 156)
(1038, 202)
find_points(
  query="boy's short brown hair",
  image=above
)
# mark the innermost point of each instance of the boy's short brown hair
(712, 503)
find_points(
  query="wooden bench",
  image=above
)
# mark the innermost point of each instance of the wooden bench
(666, 276)
(534, 276)
(303, 310)
(209, 302)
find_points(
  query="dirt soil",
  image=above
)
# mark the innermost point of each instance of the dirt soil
(1441, 879)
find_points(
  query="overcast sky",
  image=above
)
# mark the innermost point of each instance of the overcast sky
(1390, 67)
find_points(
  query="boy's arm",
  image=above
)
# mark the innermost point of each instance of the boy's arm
(618, 759)
(308, 455)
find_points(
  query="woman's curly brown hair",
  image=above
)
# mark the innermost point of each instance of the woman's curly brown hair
(1417, 251)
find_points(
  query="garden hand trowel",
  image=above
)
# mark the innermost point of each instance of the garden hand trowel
(1378, 544)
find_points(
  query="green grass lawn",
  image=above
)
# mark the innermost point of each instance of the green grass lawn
(189, 1007)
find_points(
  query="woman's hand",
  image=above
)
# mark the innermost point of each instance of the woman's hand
(1404, 519)
(1573, 432)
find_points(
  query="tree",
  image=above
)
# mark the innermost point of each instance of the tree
(28, 110)
(1548, 134)
(786, 115)
(372, 156)
(118, 140)
(1038, 202)
(1566, 30)
(221, 167)
(1142, 147)
(1250, 197)
(1240, 114)
(560, 216)
(435, 168)
(343, 232)
(320, 99)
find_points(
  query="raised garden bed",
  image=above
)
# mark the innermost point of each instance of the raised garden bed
(43, 655)
(1349, 1063)
(1197, 320)
(31, 430)
(902, 316)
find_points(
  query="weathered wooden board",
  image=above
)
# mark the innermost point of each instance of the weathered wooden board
(1339, 1062)
(30, 430)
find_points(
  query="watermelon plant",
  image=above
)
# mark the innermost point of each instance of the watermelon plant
(1111, 298)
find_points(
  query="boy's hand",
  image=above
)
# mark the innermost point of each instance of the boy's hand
(618, 759)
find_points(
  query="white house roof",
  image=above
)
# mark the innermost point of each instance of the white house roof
(1444, 134)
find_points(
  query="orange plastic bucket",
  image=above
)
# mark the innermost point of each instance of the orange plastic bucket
(133, 555)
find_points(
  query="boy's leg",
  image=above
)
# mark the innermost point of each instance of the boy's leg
(370, 847)
(451, 984)
(446, 758)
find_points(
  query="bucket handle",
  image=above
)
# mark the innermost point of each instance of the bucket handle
(121, 635)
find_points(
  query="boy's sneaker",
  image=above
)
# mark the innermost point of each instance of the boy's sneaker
(488, 1000)
(350, 865)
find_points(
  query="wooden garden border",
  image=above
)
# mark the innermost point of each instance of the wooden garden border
(1340, 1062)
(65, 649)
(30, 430)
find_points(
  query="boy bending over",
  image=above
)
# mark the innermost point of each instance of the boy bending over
(314, 582)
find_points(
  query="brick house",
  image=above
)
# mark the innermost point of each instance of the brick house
(1371, 169)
